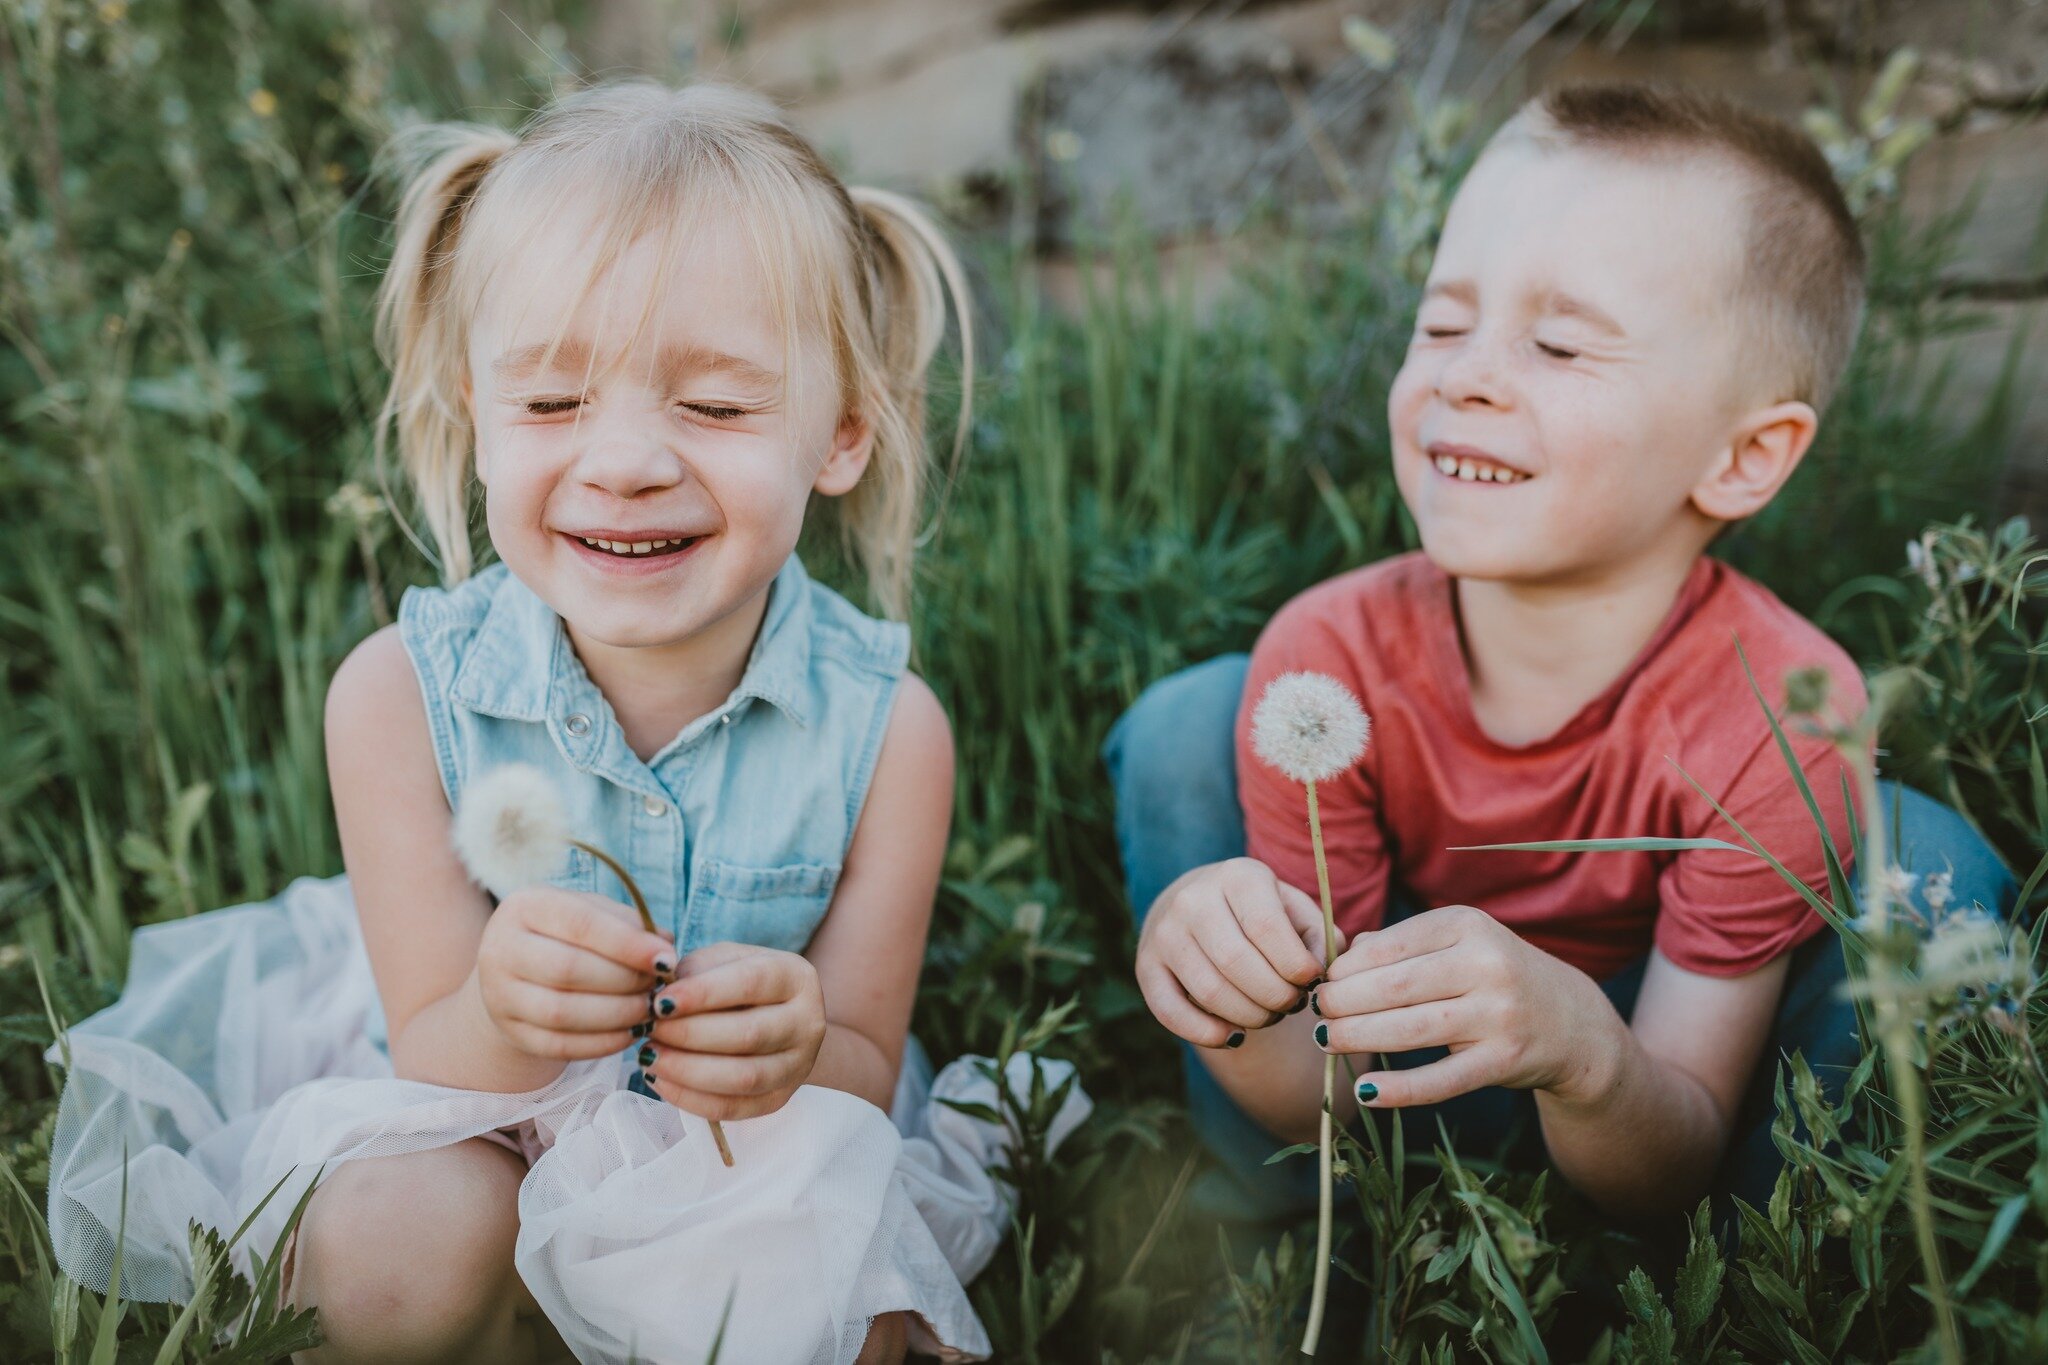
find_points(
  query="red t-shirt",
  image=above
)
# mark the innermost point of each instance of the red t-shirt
(1432, 781)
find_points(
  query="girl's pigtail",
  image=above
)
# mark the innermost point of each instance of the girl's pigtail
(420, 337)
(912, 270)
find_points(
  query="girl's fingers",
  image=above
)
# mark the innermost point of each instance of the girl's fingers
(1446, 1079)
(550, 962)
(757, 978)
(605, 928)
(568, 1047)
(740, 1033)
(1411, 981)
(717, 1108)
(1171, 1007)
(1206, 986)
(1437, 1023)
(1220, 940)
(1262, 915)
(573, 1011)
(711, 1074)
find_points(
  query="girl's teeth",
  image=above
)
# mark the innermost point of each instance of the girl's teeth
(1467, 471)
(629, 548)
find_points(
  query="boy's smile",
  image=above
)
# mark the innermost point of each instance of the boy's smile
(1572, 374)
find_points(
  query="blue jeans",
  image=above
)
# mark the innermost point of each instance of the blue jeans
(1172, 764)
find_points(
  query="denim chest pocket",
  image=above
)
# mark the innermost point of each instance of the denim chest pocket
(774, 907)
(579, 874)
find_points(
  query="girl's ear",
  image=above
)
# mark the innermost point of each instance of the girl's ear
(852, 445)
(1761, 454)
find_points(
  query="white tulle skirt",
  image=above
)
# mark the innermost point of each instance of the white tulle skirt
(241, 1057)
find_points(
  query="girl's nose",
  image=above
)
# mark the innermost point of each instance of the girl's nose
(626, 462)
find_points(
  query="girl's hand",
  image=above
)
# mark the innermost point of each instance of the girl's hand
(737, 1032)
(1228, 947)
(565, 974)
(1511, 1014)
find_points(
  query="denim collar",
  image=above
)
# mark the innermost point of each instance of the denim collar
(521, 666)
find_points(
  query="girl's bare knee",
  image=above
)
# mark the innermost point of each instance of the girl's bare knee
(409, 1258)
(888, 1340)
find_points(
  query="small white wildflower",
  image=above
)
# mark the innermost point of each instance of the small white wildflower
(1897, 884)
(1309, 726)
(511, 830)
(1967, 950)
(1939, 891)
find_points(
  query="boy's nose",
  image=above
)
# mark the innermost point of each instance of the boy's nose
(1471, 374)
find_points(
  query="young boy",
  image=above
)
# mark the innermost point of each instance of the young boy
(1638, 309)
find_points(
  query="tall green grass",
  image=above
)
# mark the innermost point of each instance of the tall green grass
(188, 242)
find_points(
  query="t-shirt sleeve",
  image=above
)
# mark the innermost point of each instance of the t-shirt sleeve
(1723, 913)
(1276, 806)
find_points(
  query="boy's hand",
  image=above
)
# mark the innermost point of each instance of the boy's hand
(737, 1032)
(565, 974)
(1228, 947)
(1510, 1013)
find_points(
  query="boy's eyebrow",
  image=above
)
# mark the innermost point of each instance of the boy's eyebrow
(1570, 306)
(522, 361)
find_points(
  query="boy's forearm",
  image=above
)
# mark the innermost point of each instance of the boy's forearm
(453, 1042)
(1636, 1135)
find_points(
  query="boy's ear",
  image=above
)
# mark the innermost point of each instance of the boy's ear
(852, 444)
(1761, 454)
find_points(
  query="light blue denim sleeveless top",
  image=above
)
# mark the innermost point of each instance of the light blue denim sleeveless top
(737, 828)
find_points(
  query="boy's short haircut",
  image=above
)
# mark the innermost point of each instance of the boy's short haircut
(1802, 258)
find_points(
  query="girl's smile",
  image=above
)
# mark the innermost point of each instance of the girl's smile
(634, 554)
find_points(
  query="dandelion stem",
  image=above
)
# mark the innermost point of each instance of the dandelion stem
(647, 923)
(1896, 1031)
(1319, 1297)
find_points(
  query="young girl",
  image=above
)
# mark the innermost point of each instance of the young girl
(654, 324)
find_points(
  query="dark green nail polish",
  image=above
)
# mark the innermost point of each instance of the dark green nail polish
(1235, 1039)
(1367, 1092)
(1315, 1005)
(664, 967)
(664, 1006)
(642, 1030)
(647, 1054)
(1322, 1035)
(1298, 1006)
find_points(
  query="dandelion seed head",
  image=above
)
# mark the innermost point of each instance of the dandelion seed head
(1309, 727)
(511, 830)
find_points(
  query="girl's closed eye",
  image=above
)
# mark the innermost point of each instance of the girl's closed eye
(1557, 352)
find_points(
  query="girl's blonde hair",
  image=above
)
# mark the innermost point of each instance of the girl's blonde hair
(862, 269)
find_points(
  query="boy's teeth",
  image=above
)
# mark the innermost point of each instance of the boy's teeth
(1450, 466)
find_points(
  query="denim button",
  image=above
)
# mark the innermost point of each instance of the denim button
(654, 805)
(725, 719)
(577, 725)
